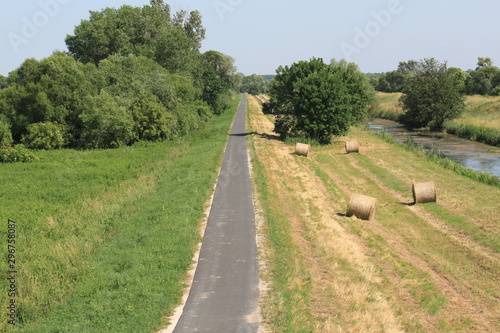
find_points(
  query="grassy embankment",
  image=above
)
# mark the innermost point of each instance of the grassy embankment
(105, 237)
(424, 268)
(479, 122)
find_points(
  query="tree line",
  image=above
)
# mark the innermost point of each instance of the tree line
(254, 84)
(130, 74)
(312, 100)
(483, 80)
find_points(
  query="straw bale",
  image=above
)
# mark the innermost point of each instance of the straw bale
(361, 206)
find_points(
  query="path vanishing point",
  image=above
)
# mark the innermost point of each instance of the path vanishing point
(225, 292)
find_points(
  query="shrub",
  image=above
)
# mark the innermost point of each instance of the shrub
(152, 122)
(495, 91)
(434, 96)
(107, 123)
(18, 153)
(44, 136)
(191, 116)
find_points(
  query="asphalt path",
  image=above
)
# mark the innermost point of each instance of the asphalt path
(225, 291)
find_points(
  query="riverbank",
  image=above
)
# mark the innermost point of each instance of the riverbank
(480, 121)
(476, 160)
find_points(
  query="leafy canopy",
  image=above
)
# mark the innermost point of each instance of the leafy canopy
(149, 31)
(315, 100)
(434, 95)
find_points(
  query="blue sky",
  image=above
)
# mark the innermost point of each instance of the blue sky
(262, 35)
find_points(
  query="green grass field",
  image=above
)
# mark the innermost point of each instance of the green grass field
(105, 237)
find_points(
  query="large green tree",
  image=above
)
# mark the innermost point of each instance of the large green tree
(434, 95)
(216, 77)
(149, 31)
(315, 100)
(398, 80)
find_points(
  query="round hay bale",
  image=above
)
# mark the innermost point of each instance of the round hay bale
(361, 206)
(424, 192)
(302, 149)
(352, 146)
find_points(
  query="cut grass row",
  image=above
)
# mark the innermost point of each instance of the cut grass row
(106, 237)
(288, 308)
(422, 268)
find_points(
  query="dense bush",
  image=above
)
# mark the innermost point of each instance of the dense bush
(120, 101)
(50, 90)
(191, 116)
(44, 136)
(152, 122)
(18, 153)
(107, 122)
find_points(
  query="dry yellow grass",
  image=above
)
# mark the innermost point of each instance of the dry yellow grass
(409, 270)
(482, 111)
(389, 102)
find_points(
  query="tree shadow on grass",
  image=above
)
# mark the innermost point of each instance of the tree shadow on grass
(261, 135)
(407, 204)
(269, 136)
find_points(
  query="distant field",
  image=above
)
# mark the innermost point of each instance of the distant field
(414, 268)
(479, 122)
(482, 111)
(105, 237)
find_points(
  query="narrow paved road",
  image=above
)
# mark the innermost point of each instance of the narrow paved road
(225, 291)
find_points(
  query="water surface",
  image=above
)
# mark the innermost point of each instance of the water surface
(472, 155)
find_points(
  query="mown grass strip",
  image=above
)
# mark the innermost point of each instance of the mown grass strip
(287, 307)
(119, 259)
(421, 237)
(465, 226)
(287, 303)
(459, 222)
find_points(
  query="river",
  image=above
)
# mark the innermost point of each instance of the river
(472, 155)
